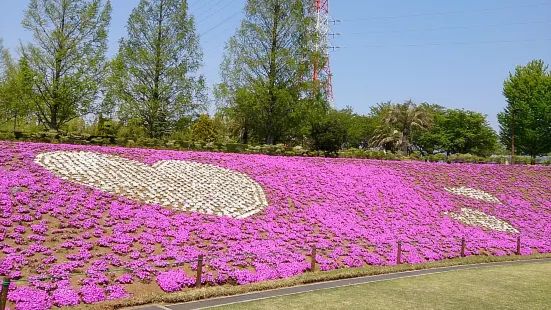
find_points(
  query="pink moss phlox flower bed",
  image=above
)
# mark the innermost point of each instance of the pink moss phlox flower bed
(354, 211)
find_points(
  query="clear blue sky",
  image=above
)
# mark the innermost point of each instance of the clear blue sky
(399, 59)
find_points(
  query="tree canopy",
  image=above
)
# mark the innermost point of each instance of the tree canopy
(154, 74)
(528, 94)
(264, 67)
(65, 62)
(459, 131)
(398, 124)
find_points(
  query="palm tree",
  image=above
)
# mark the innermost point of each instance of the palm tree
(399, 122)
(387, 138)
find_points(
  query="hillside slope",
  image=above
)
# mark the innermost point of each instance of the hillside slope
(76, 209)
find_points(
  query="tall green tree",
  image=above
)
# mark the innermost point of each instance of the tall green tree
(14, 92)
(528, 94)
(155, 72)
(66, 58)
(264, 84)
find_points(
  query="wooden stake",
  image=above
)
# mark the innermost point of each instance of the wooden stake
(399, 254)
(313, 259)
(4, 293)
(199, 271)
(518, 245)
(463, 247)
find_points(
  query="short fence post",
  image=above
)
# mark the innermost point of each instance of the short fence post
(463, 247)
(4, 293)
(399, 254)
(518, 245)
(199, 271)
(313, 259)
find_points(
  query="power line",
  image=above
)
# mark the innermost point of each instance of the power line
(443, 28)
(220, 9)
(221, 23)
(213, 6)
(222, 32)
(440, 44)
(205, 4)
(444, 13)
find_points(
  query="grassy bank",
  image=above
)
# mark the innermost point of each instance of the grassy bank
(500, 287)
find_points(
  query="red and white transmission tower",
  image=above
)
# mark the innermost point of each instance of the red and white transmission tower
(322, 69)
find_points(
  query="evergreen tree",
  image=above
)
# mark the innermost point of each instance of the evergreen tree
(154, 74)
(204, 130)
(264, 68)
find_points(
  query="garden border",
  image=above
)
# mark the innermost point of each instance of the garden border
(307, 288)
(197, 294)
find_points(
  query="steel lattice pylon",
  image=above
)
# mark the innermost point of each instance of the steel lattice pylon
(322, 69)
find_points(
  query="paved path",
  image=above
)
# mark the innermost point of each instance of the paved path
(202, 304)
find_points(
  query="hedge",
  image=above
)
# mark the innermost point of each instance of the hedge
(278, 149)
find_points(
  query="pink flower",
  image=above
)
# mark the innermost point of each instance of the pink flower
(92, 294)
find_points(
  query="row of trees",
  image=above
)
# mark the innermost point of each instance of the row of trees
(408, 127)
(64, 73)
(63, 80)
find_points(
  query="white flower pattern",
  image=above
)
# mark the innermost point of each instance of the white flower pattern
(181, 185)
(473, 217)
(473, 193)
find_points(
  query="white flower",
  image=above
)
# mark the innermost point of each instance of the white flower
(473, 193)
(178, 184)
(481, 219)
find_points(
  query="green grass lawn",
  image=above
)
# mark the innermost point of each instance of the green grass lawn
(508, 287)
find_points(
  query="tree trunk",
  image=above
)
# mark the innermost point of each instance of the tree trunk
(245, 135)
(53, 119)
(405, 144)
(54, 122)
(157, 76)
(272, 77)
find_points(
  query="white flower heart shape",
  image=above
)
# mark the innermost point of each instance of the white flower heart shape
(182, 185)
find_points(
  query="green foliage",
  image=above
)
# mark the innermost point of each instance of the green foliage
(15, 107)
(106, 126)
(528, 94)
(76, 125)
(358, 128)
(130, 130)
(65, 62)
(459, 131)
(153, 78)
(398, 124)
(151, 95)
(263, 72)
(329, 134)
(204, 130)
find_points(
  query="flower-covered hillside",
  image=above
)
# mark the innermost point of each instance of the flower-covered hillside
(63, 212)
